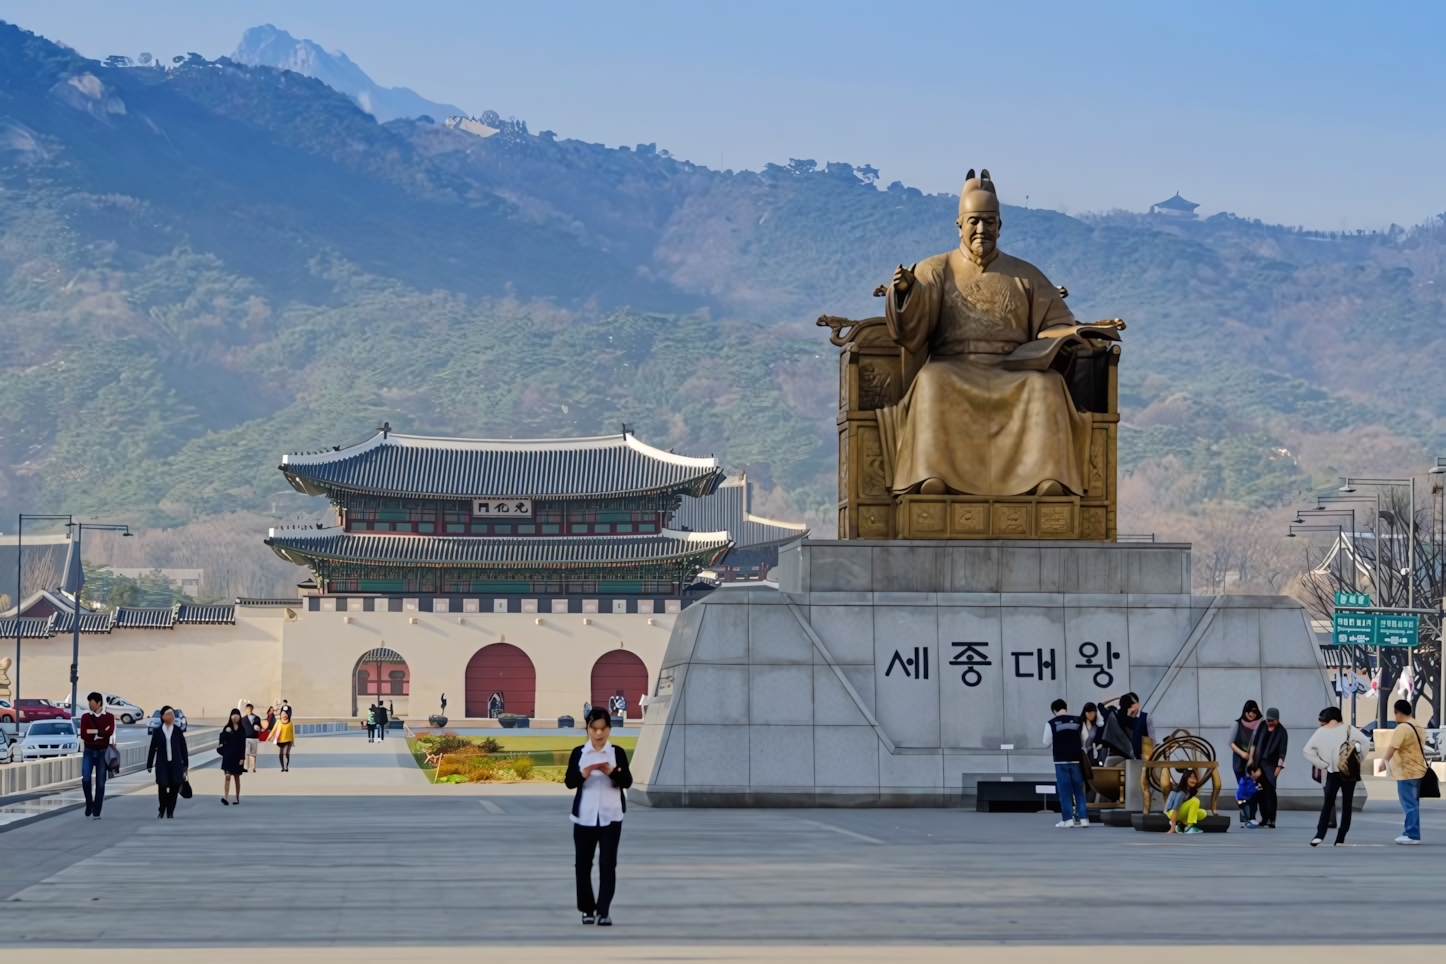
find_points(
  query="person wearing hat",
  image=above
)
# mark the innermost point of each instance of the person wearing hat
(1268, 748)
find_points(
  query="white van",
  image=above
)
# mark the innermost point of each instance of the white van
(122, 709)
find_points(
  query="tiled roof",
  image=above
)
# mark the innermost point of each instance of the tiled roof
(209, 615)
(726, 510)
(89, 622)
(29, 628)
(417, 465)
(135, 617)
(262, 601)
(480, 553)
(1177, 203)
(382, 656)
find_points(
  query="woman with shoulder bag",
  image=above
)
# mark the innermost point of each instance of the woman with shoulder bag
(232, 747)
(1337, 749)
(171, 761)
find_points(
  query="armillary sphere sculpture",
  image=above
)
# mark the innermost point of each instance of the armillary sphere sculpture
(1180, 746)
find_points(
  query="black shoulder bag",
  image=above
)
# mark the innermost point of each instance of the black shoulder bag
(1430, 783)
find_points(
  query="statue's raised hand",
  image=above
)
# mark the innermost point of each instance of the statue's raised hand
(904, 278)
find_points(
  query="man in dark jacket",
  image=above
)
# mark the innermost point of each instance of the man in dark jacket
(1268, 748)
(169, 757)
(381, 721)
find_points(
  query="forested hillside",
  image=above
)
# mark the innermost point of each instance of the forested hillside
(208, 265)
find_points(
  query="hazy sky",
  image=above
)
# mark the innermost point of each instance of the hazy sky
(1322, 114)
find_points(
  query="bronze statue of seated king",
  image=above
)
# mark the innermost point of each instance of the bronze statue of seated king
(976, 406)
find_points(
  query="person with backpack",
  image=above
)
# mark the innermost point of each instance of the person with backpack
(1407, 758)
(1337, 749)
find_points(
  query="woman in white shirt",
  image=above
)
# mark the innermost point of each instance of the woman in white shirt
(1323, 750)
(598, 771)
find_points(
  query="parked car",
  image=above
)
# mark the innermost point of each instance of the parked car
(7, 712)
(48, 738)
(155, 720)
(121, 708)
(32, 710)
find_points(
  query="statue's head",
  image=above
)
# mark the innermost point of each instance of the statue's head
(979, 220)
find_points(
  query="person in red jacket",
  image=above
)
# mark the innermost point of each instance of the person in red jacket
(97, 729)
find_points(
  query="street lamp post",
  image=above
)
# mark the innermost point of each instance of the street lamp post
(74, 579)
(20, 586)
(1350, 487)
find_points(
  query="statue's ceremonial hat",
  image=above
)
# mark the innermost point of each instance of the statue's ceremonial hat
(977, 195)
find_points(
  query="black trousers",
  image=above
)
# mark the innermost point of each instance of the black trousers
(1335, 782)
(584, 841)
(168, 796)
(1267, 797)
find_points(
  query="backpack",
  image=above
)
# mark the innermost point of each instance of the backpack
(1245, 789)
(1348, 761)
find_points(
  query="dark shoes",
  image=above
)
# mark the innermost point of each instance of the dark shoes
(604, 921)
(589, 919)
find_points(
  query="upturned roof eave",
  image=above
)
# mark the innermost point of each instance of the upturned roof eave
(305, 556)
(697, 487)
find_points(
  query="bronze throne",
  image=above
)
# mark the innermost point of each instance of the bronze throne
(875, 372)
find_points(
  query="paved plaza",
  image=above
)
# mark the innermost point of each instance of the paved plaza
(354, 849)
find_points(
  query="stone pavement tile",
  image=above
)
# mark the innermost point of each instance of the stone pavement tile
(603, 950)
(358, 862)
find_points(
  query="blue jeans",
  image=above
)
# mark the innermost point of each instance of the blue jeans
(93, 760)
(1069, 781)
(1409, 792)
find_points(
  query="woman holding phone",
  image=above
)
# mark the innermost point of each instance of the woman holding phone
(598, 771)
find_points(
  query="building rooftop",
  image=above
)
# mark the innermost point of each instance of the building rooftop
(475, 552)
(1176, 203)
(397, 465)
(726, 510)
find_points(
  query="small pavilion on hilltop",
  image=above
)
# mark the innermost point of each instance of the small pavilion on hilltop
(1175, 207)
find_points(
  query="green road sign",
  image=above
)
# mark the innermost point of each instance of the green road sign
(1353, 599)
(1353, 629)
(1397, 630)
(1375, 629)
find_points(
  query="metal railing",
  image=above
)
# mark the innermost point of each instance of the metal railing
(29, 775)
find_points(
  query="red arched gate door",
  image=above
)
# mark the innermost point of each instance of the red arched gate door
(380, 675)
(505, 669)
(619, 672)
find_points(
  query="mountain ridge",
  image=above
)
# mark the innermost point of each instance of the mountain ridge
(207, 265)
(269, 46)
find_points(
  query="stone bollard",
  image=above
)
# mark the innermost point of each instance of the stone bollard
(1134, 796)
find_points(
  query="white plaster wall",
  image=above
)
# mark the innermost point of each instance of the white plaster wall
(309, 659)
(204, 670)
(321, 649)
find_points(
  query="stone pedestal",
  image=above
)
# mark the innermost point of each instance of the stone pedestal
(901, 673)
